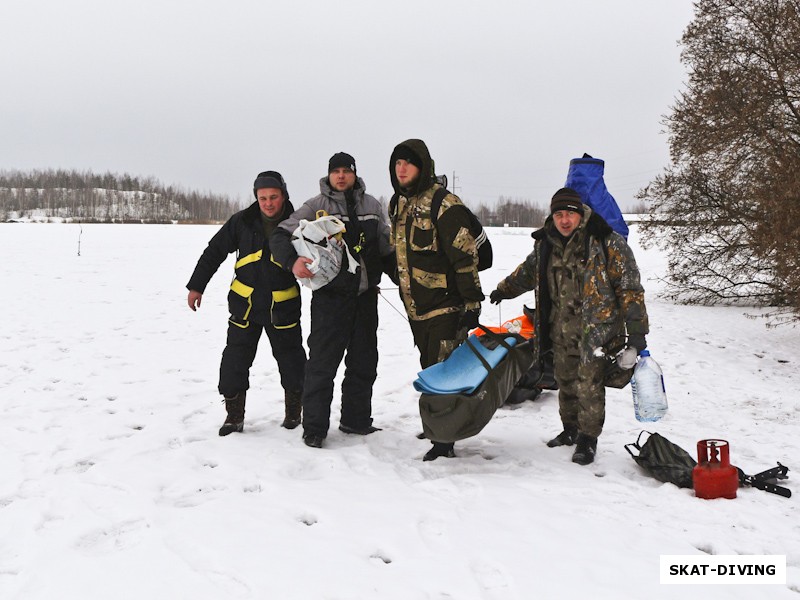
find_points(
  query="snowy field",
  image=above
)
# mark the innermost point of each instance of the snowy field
(115, 484)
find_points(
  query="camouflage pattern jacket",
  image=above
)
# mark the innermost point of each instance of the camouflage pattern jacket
(588, 290)
(437, 267)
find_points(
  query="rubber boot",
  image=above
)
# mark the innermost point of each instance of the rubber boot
(294, 409)
(565, 438)
(585, 449)
(440, 449)
(235, 419)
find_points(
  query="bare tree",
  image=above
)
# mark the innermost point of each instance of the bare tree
(728, 206)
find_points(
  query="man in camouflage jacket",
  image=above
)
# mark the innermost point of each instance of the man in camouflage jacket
(437, 266)
(589, 305)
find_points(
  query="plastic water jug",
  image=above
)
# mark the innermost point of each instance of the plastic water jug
(649, 393)
(714, 476)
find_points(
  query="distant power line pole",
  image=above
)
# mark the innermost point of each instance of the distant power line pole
(454, 182)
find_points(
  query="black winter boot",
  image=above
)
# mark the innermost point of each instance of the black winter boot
(294, 409)
(313, 441)
(358, 430)
(585, 449)
(235, 419)
(565, 438)
(440, 449)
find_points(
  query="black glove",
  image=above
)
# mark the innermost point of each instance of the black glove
(468, 320)
(636, 340)
(496, 297)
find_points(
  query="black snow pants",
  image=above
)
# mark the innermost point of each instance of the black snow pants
(341, 322)
(240, 351)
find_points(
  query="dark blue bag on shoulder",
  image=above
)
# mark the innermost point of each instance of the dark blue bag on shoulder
(585, 176)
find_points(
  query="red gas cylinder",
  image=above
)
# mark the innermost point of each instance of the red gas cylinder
(714, 476)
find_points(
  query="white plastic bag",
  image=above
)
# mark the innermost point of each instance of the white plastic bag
(317, 240)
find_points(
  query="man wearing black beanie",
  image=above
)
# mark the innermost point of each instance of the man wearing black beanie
(344, 312)
(589, 305)
(437, 264)
(262, 297)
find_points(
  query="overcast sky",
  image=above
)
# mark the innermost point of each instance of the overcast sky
(206, 94)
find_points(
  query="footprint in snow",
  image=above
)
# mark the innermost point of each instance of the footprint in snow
(308, 520)
(229, 583)
(381, 556)
(119, 536)
(493, 580)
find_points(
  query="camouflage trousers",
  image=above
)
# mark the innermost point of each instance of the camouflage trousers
(437, 337)
(581, 393)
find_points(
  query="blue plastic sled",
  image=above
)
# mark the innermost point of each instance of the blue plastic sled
(463, 371)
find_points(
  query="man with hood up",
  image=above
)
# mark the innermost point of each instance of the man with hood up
(262, 297)
(589, 306)
(344, 312)
(437, 265)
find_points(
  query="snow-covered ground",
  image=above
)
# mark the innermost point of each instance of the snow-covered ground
(115, 484)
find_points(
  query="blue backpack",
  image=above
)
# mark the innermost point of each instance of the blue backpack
(585, 176)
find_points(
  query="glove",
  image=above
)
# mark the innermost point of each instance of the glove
(626, 359)
(468, 320)
(496, 297)
(636, 340)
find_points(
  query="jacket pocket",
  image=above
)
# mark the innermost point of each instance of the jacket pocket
(240, 303)
(423, 237)
(429, 280)
(285, 308)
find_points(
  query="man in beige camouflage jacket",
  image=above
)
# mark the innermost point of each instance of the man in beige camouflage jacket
(437, 266)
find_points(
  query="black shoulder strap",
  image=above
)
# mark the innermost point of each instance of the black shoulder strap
(436, 204)
(393, 206)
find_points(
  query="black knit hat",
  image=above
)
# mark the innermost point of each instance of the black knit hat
(270, 179)
(342, 159)
(407, 154)
(566, 199)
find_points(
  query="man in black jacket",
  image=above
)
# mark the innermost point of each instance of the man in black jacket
(262, 297)
(344, 312)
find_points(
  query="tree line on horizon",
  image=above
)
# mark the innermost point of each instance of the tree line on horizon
(88, 197)
(514, 212)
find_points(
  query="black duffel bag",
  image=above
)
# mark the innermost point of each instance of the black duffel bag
(453, 417)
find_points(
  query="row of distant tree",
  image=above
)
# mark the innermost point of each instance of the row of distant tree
(520, 212)
(512, 212)
(100, 198)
